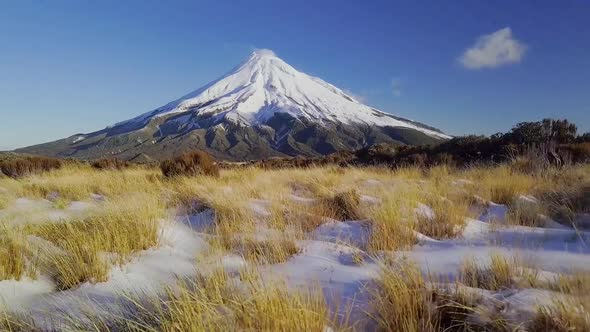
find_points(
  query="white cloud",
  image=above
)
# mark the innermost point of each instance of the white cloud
(358, 97)
(396, 87)
(493, 50)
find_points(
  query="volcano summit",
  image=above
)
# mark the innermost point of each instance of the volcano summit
(262, 108)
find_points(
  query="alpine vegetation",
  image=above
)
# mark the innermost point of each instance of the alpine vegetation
(485, 247)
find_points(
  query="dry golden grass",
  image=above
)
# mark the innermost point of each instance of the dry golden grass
(569, 313)
(270, 250)
(526, 214)
(4, 202)
(15, 255)
(563, 203)
(577, 283)
(11, 322)
(60, 203)
(501, 273)
(136, 198)
(77, 182)
(122, 228)
(390, 228)
(217, 302)
(563, 316)
(448, 221)
(498, 275)
(400, 301)
(342, 206)
(500, 184)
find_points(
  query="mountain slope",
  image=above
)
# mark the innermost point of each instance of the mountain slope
(260, 109)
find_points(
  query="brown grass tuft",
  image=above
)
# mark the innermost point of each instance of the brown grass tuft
(190, 164)
(111, 163)
(343, 206)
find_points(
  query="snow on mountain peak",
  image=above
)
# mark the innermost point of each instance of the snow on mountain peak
(264, 52)
(265, 85)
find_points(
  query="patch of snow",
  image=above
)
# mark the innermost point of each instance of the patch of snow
(461, 182)
(495, 213)
(301, 199)
(260, 207)
(370, 199)
(373, 183)
(424, 211)
(200, 222)
(354, 232)
(79, 139)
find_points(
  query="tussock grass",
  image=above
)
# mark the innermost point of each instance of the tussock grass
(400, 301)
(60, 203)
(5, 200)
(390, 227)
(275, 308)
(565, 202)
(576, 284)
(571, 313)
(403, 300)
(11, 322)
(122, 228)
(15, 255)
(270, 250)
(79, 182)
(563, 316)
(500, 184)
(448, 221)
(498, 275)
(342, 206)
(84, 249)
(526, 214)
(501, 273)
(217, 302)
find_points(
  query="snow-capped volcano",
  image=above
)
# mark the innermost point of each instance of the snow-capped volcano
(262, 108)
(264, 85)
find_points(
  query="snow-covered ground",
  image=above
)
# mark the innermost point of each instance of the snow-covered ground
(334, 257)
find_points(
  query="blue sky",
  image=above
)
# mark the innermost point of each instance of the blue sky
(78, 66)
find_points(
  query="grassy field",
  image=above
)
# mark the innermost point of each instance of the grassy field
(268, 219)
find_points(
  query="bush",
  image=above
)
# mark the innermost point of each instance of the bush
(580, 152)
(111, 163)
(190, 164)
(20, 167)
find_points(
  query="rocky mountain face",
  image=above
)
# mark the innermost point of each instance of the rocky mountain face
(263, 108)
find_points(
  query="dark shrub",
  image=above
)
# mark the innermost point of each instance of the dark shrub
(377, 154)
(444, 159)
(112, 164)
(584, 138)
(580, 152)
(190, 164)
(23, 166)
